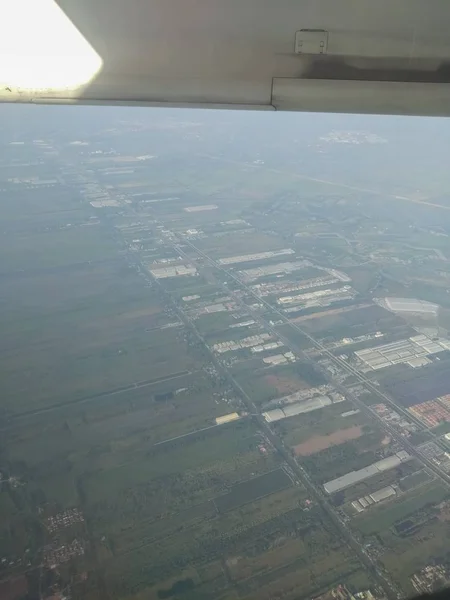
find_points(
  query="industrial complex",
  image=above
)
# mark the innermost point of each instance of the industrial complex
(413, 351)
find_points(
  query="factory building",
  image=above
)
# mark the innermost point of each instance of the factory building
(349, 479)
(292, 410)
(378, 496)
(231, 260)
(409, 305)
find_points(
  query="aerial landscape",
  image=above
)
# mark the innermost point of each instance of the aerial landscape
(225, 355)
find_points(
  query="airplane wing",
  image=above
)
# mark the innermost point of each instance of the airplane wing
(314, 55)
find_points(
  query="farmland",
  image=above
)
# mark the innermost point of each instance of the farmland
(252, 489)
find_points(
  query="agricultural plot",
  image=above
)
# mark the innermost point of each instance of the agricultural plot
(79, 333)
(414, 480)
(253, 489)
(322, 442)
(166, 504)
(432, 381)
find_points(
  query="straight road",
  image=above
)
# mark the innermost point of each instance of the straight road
(328, 182)
(382, 578)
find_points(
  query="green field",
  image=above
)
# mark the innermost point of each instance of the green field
(383, 517)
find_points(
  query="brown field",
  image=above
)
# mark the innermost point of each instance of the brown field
(321, 442)
(285, 385)
(332, 311)
(13, 588)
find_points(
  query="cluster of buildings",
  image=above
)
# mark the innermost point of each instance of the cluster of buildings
(395, 419)
(258, 344)
(432, 412)
(349, 479)
(430, 579)
(436, 454)
(413, 352)
(248, 342)
(379, 496)
(54, 556)
(64, 519)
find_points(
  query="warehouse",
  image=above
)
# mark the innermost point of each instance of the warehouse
(349, 479)
(383, 494)
(411, 305)
(276, 359)
(291, 410)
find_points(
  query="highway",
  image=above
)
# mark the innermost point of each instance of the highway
(380, 575)
(444, 477)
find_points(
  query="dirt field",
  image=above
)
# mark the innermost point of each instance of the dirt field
(320, 442)
(285, 385)
(326, 313)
